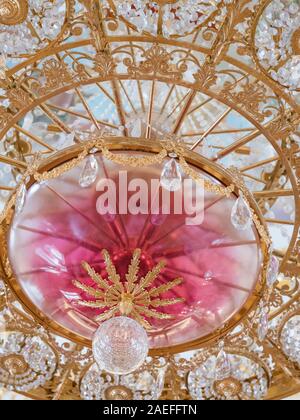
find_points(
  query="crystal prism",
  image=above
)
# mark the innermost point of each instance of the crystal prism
(241, 216)
(273, 271)
(171, 178)
(223, 366)
(20, 199)
(263, 326)
(89, 173)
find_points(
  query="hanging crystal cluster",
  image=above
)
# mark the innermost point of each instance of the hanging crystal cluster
(228, 377)
(290, 339)
(26, 362)
(144, 385)
(43, 24)
(179, 17)
(275, 38)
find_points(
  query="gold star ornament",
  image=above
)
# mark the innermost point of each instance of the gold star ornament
(135, 297)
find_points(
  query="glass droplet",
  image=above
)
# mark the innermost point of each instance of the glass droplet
(273, 271)
(171, 178)
(223, 366)
(120, 345)
(208, 276)
(20, 199)
(241, 216)
(89, 173)
(263, 326)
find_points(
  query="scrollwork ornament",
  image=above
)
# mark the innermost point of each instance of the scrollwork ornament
(13, 12)
(156, 61)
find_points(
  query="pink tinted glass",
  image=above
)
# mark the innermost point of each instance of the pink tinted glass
(60, 227)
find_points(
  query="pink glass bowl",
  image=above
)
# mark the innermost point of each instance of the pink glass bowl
(60, 227)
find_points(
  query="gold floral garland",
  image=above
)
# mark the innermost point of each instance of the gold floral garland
(168, 148)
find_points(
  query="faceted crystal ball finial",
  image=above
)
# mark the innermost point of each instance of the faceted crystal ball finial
(120, 345)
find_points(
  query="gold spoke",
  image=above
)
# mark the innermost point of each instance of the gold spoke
(182, 100)
(128, 97)
(78, 114)
(139, 85)
(150, 110)
(237, 144)
(13, 162)
(279, 222)
(254, 179)
(119, 105)
(56, 120)
(197, 107)
(167, 99)
(259, 164)
(87, 108)
(189, 100)
(273, 193)
(215, 132)
(210, 129)
(34, 138)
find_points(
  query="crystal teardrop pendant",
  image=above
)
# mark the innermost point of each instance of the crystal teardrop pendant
(273, 271)
(20, 199)
(89, 173)
(241, 216)
(263, 326)
(171, 178)
(120, 345)
(223, 366)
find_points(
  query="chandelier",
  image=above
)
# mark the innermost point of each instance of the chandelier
(149, 198)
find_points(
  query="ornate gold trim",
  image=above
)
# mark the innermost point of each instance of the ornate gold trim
(212, 169)
(13, 12)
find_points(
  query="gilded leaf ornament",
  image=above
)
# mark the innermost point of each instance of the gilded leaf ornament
(156, 61)
(56, 74)
(251, 96)
(206, 77)
(104, 64)
(133, 296)
(18, 97)
(5, 116)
